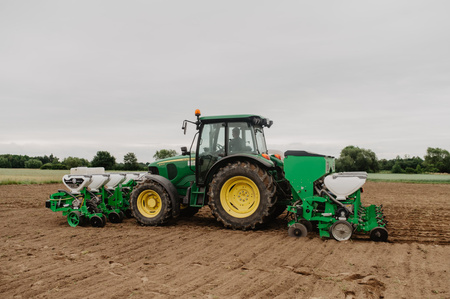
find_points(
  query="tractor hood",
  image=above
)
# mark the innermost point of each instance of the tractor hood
(174, 168)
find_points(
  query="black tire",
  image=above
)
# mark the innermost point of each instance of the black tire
(379, 234)
(297, 230)
(84, 221)
(241, 195)
(97, 221)
(114, 217)
(150, 204)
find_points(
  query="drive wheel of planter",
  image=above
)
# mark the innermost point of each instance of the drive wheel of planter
(97, 221)
(379, 234)
(341, 230)
(150, 204)
(74, 219)
(241, 195)
(114, 217)
(297, 230)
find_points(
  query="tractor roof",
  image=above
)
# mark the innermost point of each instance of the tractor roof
(254, 119)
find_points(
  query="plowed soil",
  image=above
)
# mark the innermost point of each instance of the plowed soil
(41, 256)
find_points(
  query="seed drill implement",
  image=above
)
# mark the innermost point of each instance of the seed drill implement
(94, 196)
(229, 169)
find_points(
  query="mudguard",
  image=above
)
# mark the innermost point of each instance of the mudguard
(243, 157)
(171, 190)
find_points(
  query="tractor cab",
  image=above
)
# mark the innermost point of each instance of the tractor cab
(225, 137)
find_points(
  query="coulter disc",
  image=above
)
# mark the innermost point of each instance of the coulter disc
(297, 230)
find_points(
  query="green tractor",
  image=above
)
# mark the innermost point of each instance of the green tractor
(231, 171)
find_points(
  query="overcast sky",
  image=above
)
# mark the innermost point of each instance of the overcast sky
(77, 77)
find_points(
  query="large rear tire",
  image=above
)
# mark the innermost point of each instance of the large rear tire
(151, 204)
(241, 195)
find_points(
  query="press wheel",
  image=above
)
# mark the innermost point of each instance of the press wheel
(379, 234)
(341, 230)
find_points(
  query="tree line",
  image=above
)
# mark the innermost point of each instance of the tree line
(352, 158)
(101, 159)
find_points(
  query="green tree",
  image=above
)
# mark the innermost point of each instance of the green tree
(33, 163)
(103, 159)
(4, 162)
(48, 159)
(353, 158)
(17, 161)
(437, 159)
(130, 162)
(58, 166)
(164, 153)
(386, 164)
(47, 166)
(407, 164)
(397, 168)
(72, 162)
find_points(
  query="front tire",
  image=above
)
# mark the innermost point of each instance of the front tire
(241, 195)
(151, 204)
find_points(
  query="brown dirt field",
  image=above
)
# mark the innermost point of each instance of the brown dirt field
(42, 257)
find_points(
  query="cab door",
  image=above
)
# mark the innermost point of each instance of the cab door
(210, 148)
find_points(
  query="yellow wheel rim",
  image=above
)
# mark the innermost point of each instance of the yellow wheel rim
(149, 203)
(240, 197)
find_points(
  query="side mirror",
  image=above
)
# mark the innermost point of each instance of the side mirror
(184, 127)
(184, 151)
